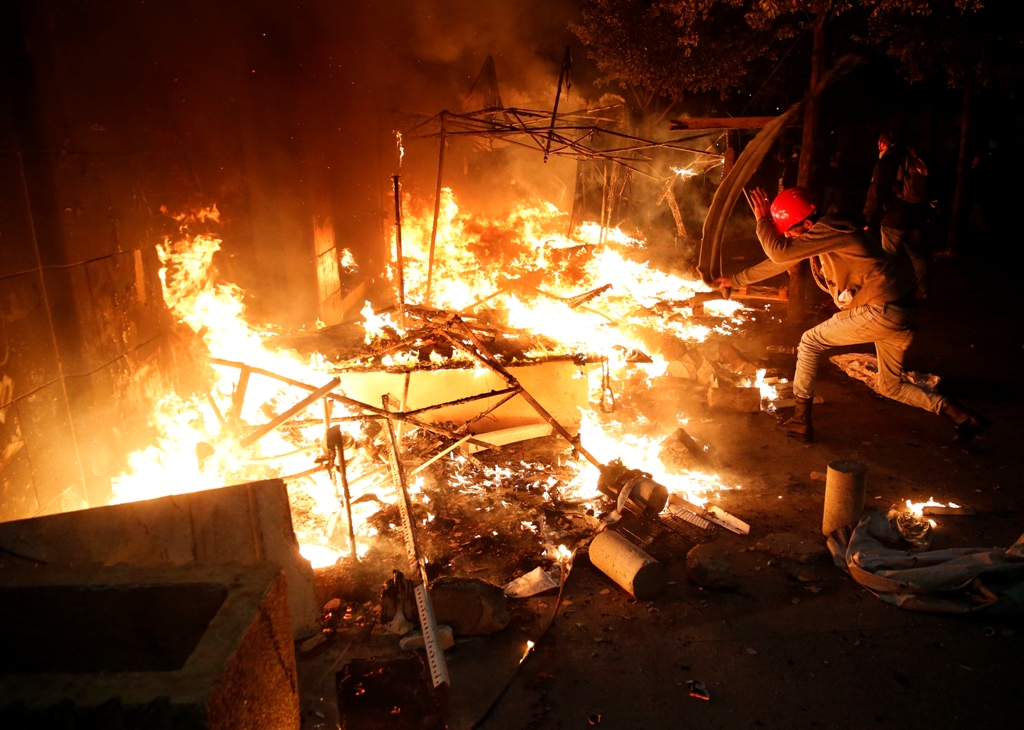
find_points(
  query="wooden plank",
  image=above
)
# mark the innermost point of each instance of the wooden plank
(700, 123)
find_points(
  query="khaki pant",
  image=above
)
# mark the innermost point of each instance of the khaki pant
(889, 327)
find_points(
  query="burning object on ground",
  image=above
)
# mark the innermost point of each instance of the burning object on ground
(955, 580)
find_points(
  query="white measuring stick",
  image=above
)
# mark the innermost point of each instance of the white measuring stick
(435, 655)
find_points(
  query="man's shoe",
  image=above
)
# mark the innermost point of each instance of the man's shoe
(967, 424)
(800, 426)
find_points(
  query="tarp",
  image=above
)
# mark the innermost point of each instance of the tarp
(956, 580)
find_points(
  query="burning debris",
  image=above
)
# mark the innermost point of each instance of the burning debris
(548, 297)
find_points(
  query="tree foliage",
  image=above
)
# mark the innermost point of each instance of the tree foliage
(969, 42)
(675, 47)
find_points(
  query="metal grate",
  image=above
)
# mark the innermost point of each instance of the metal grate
(664, 536)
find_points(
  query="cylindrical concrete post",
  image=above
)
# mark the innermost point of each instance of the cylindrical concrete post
(844, 495)
(626, 564)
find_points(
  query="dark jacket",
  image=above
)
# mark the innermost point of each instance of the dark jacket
(883, 206)
(856, 269)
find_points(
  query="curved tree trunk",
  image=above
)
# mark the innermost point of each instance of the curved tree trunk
(963, 164)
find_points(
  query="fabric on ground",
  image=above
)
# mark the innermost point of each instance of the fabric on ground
(957, 580)
(864, 367)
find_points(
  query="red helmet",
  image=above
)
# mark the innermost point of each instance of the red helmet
(791, 207)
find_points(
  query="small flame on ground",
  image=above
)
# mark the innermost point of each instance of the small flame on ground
(529, 648)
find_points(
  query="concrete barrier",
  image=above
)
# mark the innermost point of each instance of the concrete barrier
(127, 646)
(246, 523)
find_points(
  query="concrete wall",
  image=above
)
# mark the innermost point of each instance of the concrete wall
(247, 523)
(238, 670)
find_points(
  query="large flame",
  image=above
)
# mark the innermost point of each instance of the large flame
(528, 268)
(524, 267)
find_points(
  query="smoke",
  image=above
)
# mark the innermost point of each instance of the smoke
(525, 39)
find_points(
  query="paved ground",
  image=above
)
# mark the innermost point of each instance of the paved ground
(784, 651)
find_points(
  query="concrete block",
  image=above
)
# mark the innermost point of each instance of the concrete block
(246, 523)
(739, 400)
(171, 647)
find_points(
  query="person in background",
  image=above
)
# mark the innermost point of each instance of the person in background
(897, 204)
(875, 299)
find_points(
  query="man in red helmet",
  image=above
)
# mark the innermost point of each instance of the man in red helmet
(875, 299)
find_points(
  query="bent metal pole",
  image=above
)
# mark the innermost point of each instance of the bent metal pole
(477, 350)
(424, 607)
(437, 213)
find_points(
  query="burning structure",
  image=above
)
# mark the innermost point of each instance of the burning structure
(339, 393)
(477, 398)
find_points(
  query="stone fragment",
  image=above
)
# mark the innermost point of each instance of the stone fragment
(470, 606)
(711, 566)
(792, 547)
(738, 400)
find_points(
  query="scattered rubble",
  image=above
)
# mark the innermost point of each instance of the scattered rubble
(793, 547)
(698, 690)
(533, 583)
(391, 694)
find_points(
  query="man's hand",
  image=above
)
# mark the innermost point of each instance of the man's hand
(762, 206)
(724, 284)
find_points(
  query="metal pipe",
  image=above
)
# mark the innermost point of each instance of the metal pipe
(562, 76)
(343, 471)
(483, 355)
(238, 397)
(297, 408)
(437, 212)
(460, 401)
(350, 402)
(425, 609)
(399, 260)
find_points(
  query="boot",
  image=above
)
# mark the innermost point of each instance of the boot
(967, 424)
(800, 426)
